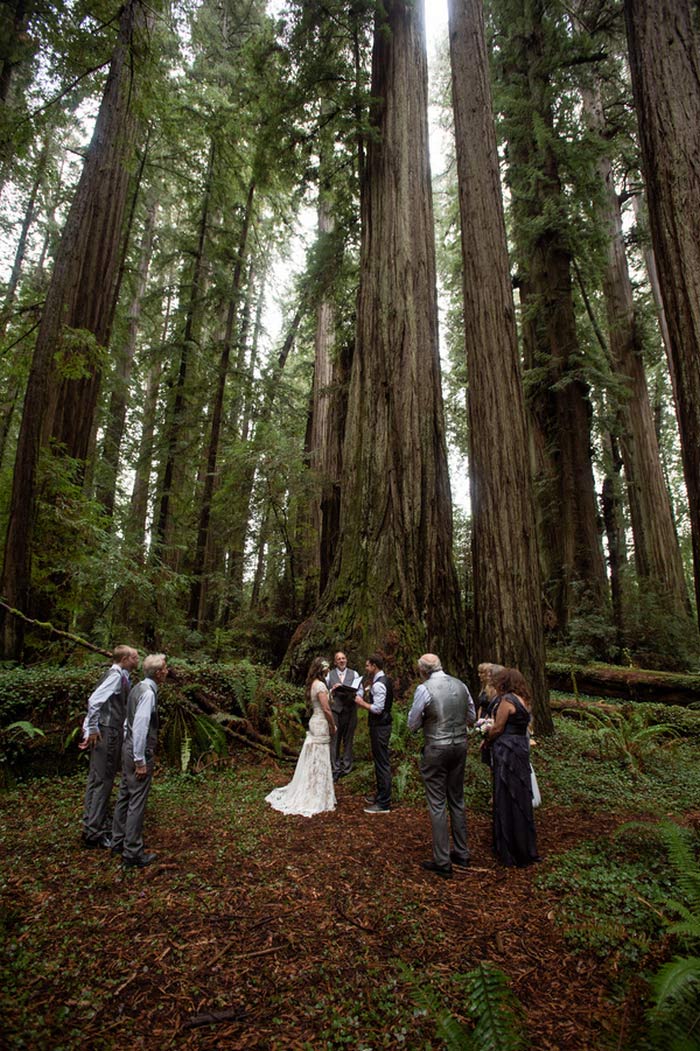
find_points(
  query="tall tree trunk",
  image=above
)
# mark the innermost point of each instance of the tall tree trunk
(508, 626)
(329, 409)
(571, 550)
(664, 53)
(20, 251)
(97, 257)
(656, 552)
(393, 584)
(611, 503)
(174, 429)
(116, 414)
(80, 297)
(197, 592)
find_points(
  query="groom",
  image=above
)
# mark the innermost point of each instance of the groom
(344, 685)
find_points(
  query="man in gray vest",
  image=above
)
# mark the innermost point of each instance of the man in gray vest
(344, 685)
(103, 730)
(443, 707)
(140, 739)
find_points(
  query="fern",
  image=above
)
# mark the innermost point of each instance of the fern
(674, 1017)
(495, 1010)
(491, 1005)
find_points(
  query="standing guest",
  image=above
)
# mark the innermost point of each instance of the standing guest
(103, 731)
(140, 739)
(443, 707)
(344, 684)
(514, 836)
(487, 692)
(381, 698)
(311, 789)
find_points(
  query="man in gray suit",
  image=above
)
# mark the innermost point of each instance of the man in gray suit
(443, 707)
(140, 739)
(103, 730)
(344, 685)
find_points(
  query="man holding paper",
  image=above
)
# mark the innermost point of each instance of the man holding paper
(344, 685)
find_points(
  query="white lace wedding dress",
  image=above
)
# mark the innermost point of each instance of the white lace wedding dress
(311, 789)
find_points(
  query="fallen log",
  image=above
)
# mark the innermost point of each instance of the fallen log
(630, 684)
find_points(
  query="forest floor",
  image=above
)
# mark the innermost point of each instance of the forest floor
(255, 930)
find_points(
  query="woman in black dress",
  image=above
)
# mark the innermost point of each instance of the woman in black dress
(514, 837)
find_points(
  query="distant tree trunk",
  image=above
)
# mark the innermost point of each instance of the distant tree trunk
(508, 625)
(116, 414)
(664, 54)
(611, 503)
(653, 277)
(574, 572)
(197, 592)
(174, 428)
(241, 524)
(393, 584)
(20, 251)
(656, 552)
(329, 409)
(80, 297)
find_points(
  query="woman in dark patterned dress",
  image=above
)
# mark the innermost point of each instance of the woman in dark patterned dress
(514, 837)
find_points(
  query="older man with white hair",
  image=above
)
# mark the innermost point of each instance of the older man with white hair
(140, 739)
(443, 707)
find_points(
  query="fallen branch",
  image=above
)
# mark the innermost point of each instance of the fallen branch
(230, 1014)
(45, 625)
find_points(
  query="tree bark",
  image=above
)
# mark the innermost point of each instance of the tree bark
(175, 425)
(656, 552)
(329, 397)
(197, 591)
(80, 296)
(393, 584)
(568, 526)
(116, 414)
(664, 57)
(508, 626)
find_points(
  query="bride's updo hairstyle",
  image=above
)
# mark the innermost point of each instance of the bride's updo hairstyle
(318, 670)
(510, 680)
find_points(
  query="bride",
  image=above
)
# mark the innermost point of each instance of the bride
(311, 789)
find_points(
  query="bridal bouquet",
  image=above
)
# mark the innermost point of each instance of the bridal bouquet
(481, 727)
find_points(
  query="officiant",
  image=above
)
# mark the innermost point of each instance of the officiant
(344, 685)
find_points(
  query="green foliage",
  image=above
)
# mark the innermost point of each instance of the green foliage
(613, 895)
(490, 1003)
(626, 734)
(571, 770)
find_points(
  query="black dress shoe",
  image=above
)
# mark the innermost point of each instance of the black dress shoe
(117, 849)
(460, 862)
(97, 842)
(445, 871)
(140, 862)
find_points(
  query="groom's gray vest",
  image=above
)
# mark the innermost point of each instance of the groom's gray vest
(113, 711)
(337, 703)
(445, 718)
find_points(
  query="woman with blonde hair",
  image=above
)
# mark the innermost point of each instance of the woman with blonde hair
(311, 789)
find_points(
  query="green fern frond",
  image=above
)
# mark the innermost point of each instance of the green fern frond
(673, 982)
(455, 1036)
(495, 1010)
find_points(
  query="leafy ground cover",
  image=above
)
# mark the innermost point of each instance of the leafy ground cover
(256, 930)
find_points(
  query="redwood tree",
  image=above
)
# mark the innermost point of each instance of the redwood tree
(393, 583)
(79, 307)
(664, 55)
(507, 586)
